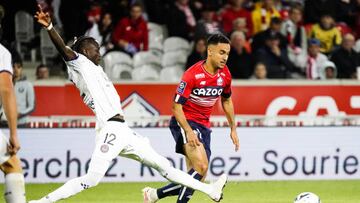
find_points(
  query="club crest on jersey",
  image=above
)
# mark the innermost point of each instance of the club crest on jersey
(200, 75)
(220, 81)
(104, 148)
(181, 87)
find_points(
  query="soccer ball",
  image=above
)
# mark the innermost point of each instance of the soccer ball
(307, 197)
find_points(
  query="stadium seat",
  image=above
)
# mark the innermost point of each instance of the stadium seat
(176, 44)
(174, 58)
(156, 38)
(47, 48)
(115, 57)
(155, 29)
(121, 71)
(171, 74)
(145, 57)
(146, 72)
(344, 29)
(24, 28)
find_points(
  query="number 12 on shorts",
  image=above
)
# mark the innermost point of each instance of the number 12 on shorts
(109, 138)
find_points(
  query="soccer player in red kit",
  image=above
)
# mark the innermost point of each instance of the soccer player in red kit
(200, 88)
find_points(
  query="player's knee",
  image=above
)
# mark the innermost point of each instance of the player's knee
(13, 165)
(201, 168)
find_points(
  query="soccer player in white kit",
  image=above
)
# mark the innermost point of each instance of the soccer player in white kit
(9, 162)
(113, 136)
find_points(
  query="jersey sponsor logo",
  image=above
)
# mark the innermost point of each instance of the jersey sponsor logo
(208, 91)
(220, 81)
(181, 87)
(200, 75)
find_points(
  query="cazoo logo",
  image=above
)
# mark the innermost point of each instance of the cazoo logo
(208, 91)
(315, 104)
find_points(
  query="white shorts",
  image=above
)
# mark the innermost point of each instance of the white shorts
(4, 155)
(117, 139)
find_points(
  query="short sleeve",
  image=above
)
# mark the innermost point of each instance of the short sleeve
(184, 88)
(74, 64)
(227, 89)
(5, 61)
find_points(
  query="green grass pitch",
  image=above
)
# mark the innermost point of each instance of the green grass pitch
(235, 192)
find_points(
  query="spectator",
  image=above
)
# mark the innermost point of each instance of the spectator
(240, 62)
(207, 25)
(198, 54)
(260, 72)
(295, 33)
(275, 28)
(181, 20)
(42, 72)
(101, 32)
(346, 58)
(131, 33)
(236, 11)
(328, 71)
(275, 58)
(262, 14)
(24, 92)
(328, 34)
(313, 61)
(315, 9)
(239, 25)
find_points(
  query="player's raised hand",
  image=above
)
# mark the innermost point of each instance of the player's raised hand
(192, 138)
(235, 139)
(14, 145)
(42, 18)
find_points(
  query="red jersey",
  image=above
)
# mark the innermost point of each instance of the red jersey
(198, 92)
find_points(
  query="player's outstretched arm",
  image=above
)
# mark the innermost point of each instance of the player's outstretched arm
(9, 104)
(44, 19)
(228, 107)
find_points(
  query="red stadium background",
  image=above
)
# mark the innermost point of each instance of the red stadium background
(248, 99)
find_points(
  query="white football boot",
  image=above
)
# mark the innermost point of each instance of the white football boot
(150, 195)
(217, 194)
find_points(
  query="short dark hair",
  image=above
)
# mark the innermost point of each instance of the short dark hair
(275, 21)
(296, 6)
(81, 42)
(40, 66)
(217, 38)
(136, 4)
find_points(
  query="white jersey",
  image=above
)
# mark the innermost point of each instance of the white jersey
(5, 60)
(5, 66)
(96, 90)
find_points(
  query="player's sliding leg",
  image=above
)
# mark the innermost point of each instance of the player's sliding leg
(96, 172)
(104, 152)
(142, 151)
(14, 181)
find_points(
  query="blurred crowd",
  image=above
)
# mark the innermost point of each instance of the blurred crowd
(313, 39)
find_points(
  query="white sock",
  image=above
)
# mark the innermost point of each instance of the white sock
(15, 188)
(161, 164)
(75, 186)
(180, 177)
